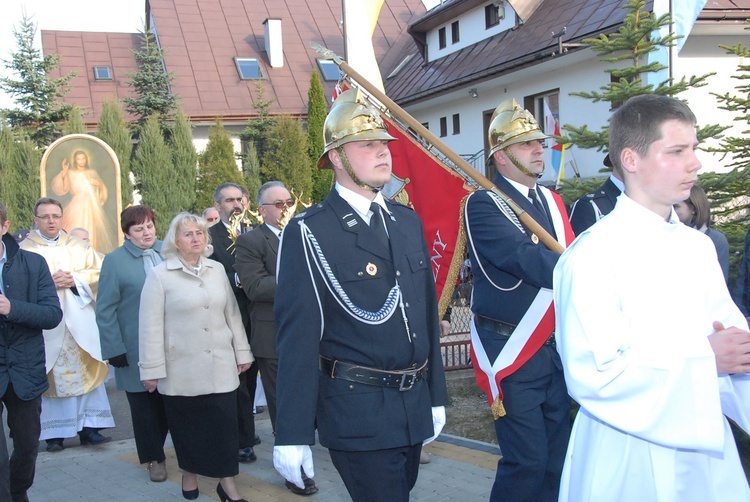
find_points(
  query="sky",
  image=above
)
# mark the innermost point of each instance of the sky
(125, 16)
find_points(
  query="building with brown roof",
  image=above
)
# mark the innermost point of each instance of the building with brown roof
(449, 66)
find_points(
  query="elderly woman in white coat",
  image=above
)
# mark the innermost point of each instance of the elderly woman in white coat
(192, 348)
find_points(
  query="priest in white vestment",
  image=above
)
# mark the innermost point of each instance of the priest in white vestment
(642, 307)
(76, 401)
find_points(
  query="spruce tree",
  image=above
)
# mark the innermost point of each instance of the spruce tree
(286, 157)
(216, 165)
(74, 124)
(633, 42)
(251, 170)
(154, 174)
(185, 160)
(38, 113)
(256, 130)
(316, 116)
(113, 130)
(27, 158)
(151, 84)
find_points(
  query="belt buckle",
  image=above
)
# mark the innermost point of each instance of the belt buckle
(412, 374)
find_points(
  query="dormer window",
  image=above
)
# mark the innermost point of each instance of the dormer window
(329, 70)
(494, 13)
(249, 69)
(441, 38)
(454, 32)
(102, 73)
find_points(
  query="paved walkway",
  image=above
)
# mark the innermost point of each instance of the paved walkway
(461, 470)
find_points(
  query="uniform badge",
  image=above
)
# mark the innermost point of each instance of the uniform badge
(534, 239)
(371, 269)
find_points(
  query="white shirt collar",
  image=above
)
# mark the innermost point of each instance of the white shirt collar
(523, 189)
(50, 242)
(360, 203)
(273, 229)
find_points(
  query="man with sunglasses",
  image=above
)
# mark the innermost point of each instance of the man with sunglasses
(358, 328)
(228, 202)
(255, 263)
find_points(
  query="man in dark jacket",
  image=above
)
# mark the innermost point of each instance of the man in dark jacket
(28, 304)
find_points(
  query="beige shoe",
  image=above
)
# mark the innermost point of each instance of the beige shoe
(157, 471)
(424, 458)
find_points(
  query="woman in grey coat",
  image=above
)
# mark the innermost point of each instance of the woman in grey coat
(123, 274)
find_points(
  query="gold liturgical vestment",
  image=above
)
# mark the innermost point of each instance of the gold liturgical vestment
(73, 351)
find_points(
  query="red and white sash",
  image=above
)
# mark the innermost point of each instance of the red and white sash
(532, 331)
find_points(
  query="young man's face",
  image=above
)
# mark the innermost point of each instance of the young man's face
(370, 160)
(665, 175)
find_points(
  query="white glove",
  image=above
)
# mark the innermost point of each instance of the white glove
(438, 422)
(288, 459)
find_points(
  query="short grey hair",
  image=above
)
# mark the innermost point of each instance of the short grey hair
(267, 185)
(169, 247)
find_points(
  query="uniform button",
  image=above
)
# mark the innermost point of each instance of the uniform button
(398, 273)
(360, 274)
(351, 387)
(413, 335)
(421, 262)
(406, 305)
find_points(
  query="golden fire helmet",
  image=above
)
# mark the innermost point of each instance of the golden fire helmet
(511, 124)
(351, 118)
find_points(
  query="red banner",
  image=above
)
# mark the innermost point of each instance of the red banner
(435, 192)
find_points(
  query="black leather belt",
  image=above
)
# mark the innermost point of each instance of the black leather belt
(502, 328)
(402, 380)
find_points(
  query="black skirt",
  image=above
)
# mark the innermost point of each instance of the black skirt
(205, 433)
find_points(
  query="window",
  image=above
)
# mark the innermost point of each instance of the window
(400, 66)
(535, 104)
(493, 13)
(249, 69)
(456, 124)
(441, 38)
(454, 32)
(329, 70)
(102, 73)
(443, 127)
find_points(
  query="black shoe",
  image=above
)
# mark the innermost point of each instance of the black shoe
(93, 437)
(256, 440)
(55, 445)
(259, 410)
(309, 488)
(223, 495)
(247, 455)
(190, 494)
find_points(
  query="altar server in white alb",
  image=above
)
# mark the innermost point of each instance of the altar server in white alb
(653, 348)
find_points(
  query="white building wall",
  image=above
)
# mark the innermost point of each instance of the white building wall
(578, 72)
(702, 54)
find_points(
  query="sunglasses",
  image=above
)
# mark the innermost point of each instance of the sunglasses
(279, 204)
(211, 220)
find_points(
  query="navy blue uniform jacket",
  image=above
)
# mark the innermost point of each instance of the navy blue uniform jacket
(34, 306)
(352, 416)
(583, 214)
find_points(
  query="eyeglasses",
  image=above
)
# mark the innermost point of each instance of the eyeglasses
(48, 217)
(279, 204)
(211, 220)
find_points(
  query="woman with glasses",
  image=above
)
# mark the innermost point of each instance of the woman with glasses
(192, 348)
(123, 273)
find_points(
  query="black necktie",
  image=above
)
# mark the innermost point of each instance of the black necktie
(376, 224)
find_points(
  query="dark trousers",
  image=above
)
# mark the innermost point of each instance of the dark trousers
(17, 472)
(149, 425)
(379, 475)
(269, 368)
(245, 400)
(533, 438)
